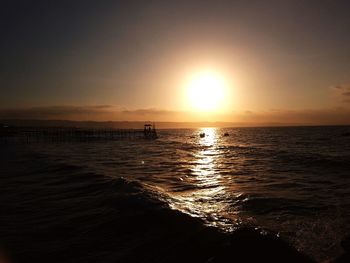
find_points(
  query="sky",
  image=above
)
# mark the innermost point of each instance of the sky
(282, 61)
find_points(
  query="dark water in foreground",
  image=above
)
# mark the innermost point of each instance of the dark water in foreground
(293, 181)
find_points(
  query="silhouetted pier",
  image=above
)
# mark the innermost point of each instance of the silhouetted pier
(61, 134)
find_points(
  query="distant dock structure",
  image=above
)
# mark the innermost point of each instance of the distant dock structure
(66, 134)
(149, 131)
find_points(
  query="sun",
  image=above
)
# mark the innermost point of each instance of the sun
(206, 91)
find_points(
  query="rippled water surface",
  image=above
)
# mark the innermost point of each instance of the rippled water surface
(294, 181)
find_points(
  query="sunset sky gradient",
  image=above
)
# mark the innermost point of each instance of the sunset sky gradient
(283, 61)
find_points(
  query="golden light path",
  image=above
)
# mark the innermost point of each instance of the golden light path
(209, 188)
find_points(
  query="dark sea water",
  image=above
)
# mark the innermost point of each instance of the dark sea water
(69, 199)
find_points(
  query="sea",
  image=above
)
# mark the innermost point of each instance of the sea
(67, 201)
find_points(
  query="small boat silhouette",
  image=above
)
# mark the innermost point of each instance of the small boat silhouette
(226, 134)
(202, 135)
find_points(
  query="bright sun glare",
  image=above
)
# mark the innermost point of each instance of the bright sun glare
(206, 91)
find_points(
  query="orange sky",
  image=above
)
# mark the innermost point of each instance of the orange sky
(282, 61)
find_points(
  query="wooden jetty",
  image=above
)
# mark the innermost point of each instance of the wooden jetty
(61, 134)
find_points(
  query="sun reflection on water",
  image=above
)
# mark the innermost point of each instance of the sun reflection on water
(207, 191)
(205, 170)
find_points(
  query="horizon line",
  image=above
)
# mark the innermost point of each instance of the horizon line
(193, 124)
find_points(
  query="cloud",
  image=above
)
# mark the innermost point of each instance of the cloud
(154, 114)
(58, 112)
(337, 87)
(94, 112)
(332, 116)
(342, 92)
(148, 112)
